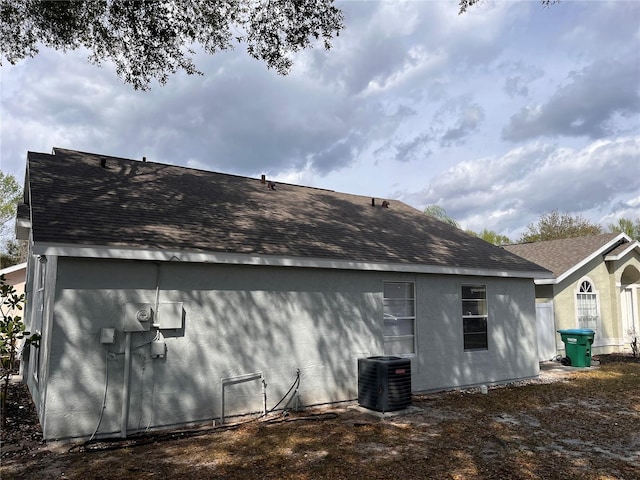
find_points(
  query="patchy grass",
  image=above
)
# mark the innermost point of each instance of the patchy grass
(586, 427)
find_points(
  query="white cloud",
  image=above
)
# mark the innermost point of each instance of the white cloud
(411, 98)
(528, 182)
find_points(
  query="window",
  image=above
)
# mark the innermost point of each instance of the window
(474, 317)
(587, 302)
(399, 318)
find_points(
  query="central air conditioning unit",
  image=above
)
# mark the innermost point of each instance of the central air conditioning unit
(384, 383)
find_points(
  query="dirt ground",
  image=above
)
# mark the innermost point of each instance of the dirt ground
(571, 423)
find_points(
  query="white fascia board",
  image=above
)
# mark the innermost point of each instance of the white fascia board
(13, 268)
(64, 250)
(578, 266)
(23, 227)
(23, 222)
(631, 246)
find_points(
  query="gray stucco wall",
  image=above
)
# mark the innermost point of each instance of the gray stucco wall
(240, 320)
(512, 351)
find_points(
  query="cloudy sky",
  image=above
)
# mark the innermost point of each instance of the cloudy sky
(498, 116)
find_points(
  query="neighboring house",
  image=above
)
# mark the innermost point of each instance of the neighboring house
(595, 285)
(171, 296)
(16, 275)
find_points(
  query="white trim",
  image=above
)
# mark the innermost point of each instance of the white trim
(13, 268)
(579, 265)
(632, 317)
(631, 246)
(23, 227)
(596, 293)
(612, 342)
(608, 342)
(485, 316)
(51, 275)
(414, 317)
(96, 251)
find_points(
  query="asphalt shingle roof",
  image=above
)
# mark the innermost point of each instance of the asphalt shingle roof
(623, 247)
(135, 204)
(559, 256)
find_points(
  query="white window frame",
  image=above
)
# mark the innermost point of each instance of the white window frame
(393, 322)
(479, 313)
(585, 291)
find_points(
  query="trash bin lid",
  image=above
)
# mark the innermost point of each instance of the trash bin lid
(577, 331)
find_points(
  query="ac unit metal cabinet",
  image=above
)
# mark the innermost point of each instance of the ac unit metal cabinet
(384, 383)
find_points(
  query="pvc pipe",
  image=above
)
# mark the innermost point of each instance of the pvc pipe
(264, 397)
(125, 385)
(104, 397)
(241, 379)
(156, 322)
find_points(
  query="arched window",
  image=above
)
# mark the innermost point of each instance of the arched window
(587, 299)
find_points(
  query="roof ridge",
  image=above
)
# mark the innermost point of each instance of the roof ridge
(66, 151)
(611, 234)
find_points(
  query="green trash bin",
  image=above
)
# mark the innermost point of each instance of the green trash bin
(577, 344)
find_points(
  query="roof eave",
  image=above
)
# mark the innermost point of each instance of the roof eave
(608, 246)
(128, 253)
(632, 246)
(23, 228)
(13, 268)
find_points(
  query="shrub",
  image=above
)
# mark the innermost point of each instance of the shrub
(12, 329)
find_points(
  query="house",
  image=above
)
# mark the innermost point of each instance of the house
(171, 296)
(15, 275)
(595, 285)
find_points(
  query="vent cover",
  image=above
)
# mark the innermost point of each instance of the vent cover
(384, 383)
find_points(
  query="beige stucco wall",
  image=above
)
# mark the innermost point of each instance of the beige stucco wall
(626, 275)
(606, 280)
(16, 276)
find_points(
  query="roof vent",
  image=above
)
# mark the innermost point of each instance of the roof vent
(263, 179)
(373, 202)
(103, 162)
(144, 159)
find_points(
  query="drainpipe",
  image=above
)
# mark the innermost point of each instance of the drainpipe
(125, 386)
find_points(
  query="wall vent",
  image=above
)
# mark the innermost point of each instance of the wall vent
(384, 383)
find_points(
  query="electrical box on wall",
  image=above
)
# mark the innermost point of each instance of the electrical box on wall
(137, 317)
(158, 349)
(170, 316)
(107, 336)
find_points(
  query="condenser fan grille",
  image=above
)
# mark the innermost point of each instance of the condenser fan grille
(384, 383)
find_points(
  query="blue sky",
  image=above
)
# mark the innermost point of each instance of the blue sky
(499, 115)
